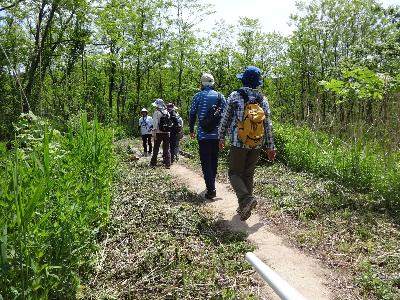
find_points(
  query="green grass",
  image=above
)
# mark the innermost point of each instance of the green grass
(361, 165)
(54, 199)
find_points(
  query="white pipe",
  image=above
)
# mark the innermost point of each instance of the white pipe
(280, 286)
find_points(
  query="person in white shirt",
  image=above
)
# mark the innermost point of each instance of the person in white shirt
(145, 127)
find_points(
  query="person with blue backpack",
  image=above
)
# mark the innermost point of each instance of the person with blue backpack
(207, 106)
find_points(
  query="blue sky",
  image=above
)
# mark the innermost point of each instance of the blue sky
(273, 14)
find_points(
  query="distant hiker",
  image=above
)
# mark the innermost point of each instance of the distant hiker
(145, 127)
(207, 106)
(247, 119)
(176, 130)
(161, 127)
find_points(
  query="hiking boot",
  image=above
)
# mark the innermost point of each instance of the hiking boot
(246, 211)
(238, 210)
(210, 194)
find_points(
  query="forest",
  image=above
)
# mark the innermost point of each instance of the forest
(74, 75)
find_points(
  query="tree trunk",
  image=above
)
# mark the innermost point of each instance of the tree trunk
(111, 78)
(39, 47)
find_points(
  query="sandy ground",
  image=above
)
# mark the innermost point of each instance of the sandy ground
(302, 272)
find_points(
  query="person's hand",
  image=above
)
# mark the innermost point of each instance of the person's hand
(271, 153)
(192, 135)
(221, 144)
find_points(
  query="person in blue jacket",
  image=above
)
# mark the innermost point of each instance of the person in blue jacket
(208, 140)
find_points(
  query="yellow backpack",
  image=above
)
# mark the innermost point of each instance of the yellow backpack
(251, 129)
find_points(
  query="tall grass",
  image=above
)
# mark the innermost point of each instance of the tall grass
(360, 164)
(54, 198)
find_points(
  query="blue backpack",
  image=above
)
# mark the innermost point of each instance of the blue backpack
(213, 116)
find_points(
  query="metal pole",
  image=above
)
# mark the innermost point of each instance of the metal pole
(280, 286)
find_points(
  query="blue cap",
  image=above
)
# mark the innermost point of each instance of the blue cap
(251, 77)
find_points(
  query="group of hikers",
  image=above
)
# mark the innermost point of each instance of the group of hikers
(166, 127)
(245, 117)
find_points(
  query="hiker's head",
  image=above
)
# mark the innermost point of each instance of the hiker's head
(159, 104)
(171, 107)
(207, 80)
(144, 112)
(251, 77)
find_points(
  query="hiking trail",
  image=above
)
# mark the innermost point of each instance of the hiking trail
(302, 272)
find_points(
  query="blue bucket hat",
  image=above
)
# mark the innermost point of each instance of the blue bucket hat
(251, 77)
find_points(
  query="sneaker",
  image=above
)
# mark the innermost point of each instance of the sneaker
(246, 212)
(210, 194)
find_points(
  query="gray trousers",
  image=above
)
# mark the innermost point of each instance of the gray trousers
(242, 163)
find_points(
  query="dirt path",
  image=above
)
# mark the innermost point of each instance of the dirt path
(299, 270)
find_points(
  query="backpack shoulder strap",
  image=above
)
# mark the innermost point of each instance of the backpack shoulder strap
(244, 95)
(260, 98)
(219, 99)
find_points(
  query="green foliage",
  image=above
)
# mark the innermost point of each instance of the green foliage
(359, 83)
(55, 197)
(362, 165)
(372, 283)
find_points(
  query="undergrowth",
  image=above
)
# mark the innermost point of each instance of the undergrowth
(163, 244)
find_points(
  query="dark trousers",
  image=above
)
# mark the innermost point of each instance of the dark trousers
(146, 138)
(173, 145)
(164, 139)
(208, 150)
(242, 163)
